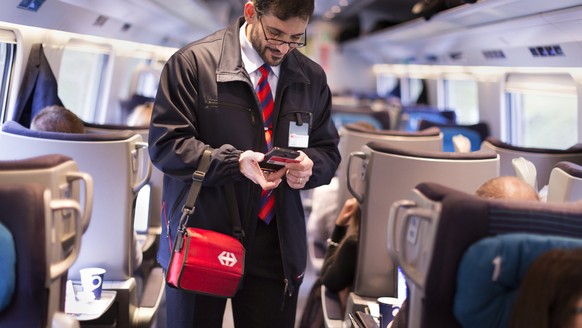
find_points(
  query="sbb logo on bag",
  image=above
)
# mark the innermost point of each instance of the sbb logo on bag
(227, 259)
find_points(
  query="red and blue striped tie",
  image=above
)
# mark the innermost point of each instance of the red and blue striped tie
(267, 205)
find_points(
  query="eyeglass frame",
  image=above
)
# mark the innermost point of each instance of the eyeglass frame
(279, 42)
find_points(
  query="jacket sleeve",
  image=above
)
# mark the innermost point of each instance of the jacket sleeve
(339, 269)
(323, 139)
(174, 143)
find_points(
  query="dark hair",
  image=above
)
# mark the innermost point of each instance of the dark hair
(549, 291)
(57, 119)
(285, 9)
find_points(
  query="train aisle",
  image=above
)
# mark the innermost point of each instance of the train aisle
(310, 277)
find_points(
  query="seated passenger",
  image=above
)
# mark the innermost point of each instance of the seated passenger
(503, 187)
(337, 273)
(550, 294)
(57, 119)
(141, 115)
(321, 220)
(507, 187)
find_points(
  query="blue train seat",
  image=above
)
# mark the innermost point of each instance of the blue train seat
(28, 214)
(60, 175)
(490, 273)
(430, 230)
(411, 116)
(7, 267)
(476, 133)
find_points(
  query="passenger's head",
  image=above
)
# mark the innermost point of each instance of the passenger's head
(365, 125)
(550, 294)
(276, 27)
(57, 119)
(507, 187)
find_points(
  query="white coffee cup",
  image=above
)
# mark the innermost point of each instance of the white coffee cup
(389, 307)
(92, 281)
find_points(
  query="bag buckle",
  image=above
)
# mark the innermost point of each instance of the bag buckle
(179, 239)
(198, 176)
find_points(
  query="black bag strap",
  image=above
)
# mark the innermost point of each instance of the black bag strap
(195, 187)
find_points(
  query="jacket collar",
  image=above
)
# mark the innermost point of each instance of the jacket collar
(231, 68)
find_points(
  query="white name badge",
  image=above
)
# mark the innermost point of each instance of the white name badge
(298, 135)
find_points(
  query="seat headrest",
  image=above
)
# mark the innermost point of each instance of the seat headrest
(570, 168)
(500, 144)
(13, 127)
(34, 163)
(507, 215)
(481, 128)
(397, 133)
(386, 148)
(7, 267)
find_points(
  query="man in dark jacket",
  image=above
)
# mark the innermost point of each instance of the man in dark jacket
(207, 99)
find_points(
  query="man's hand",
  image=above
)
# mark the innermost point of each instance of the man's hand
(298, 173)
(347, 212)
(249, 167)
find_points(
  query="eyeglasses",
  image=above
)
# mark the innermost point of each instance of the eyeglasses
(277, 42)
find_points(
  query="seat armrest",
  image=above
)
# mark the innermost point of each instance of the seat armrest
(150, 301)
(332, 311)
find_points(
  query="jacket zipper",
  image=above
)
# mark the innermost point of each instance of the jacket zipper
(215, 104)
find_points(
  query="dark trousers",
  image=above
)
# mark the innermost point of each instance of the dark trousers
(259, 303)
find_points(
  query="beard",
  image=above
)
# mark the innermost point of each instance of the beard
(269, 53)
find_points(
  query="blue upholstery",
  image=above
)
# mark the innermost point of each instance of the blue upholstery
(450, 132)
(450, 222)
(476, 133)
(484, 301)
(410, 117)
(7, 267)
(22, 215)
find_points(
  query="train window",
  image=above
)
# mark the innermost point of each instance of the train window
(146, 80)
(81, 77)
(542, 110)
(462, 97)
(387, 85)
(7, 51)
(414, 91)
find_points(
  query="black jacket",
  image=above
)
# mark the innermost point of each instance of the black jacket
(206, 99)
(38, 89)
